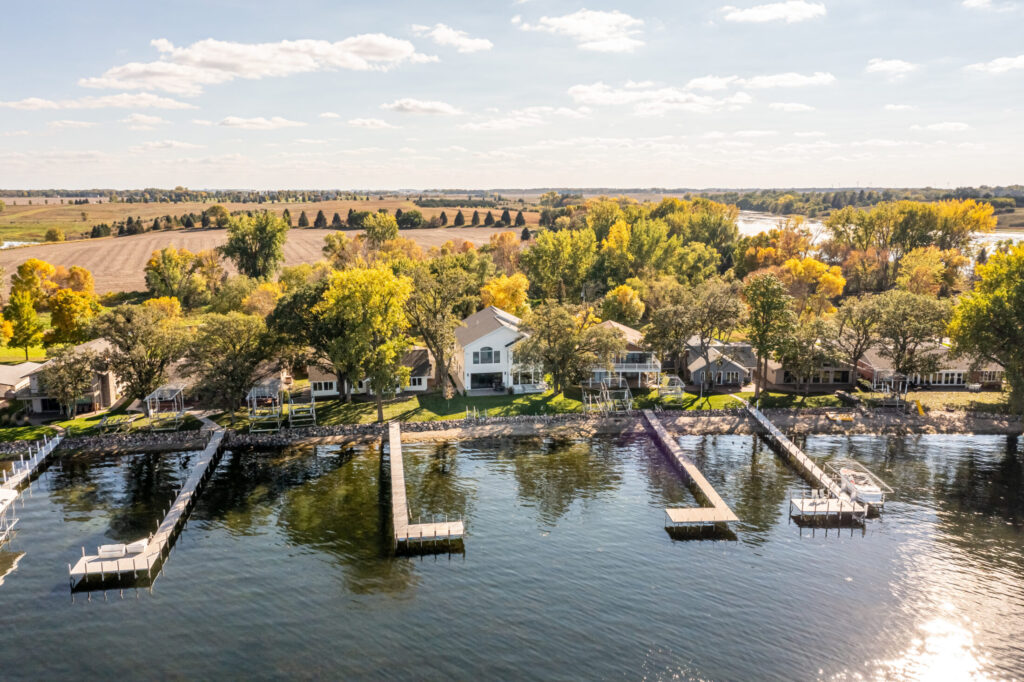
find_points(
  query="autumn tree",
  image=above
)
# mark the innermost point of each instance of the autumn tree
(380, 227)
(813, 285)
(143, 344)
(35, 278)
(504, 248)
(559, 263)
(26, 329)
(71, 315)
(506, 292)
(68, 376)
(75, 278)
(219, 215)
(439, 290)
(623, 305)
(256, 244)
(769, 318)
(183, 275)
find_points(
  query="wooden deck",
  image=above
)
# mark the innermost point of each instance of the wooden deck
(157, 547)
(409, 533)
(842, 505)
(717, 511)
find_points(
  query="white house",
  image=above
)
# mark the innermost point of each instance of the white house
(638, 366)
(485, 355)
(420, 362)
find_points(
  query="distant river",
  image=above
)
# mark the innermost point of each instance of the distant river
(284, 569)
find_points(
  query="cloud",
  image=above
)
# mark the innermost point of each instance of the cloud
(790, 106)
(756, 133)
(789, 12)
(142, 100)
(450, 37)
(894, 69)
(526, 118)
(999, 65)
(371, 123)
(789, 80)
(899, 107)
(186, 70)
(71, 124)
(330, 114)
(593, 30)
(655, 101)
(143, 121)
(810, 133)
(258, 123)
(164, 144)
(14, 133)
(711, 83)
(408, 105)
(989, 5)
(944, 127)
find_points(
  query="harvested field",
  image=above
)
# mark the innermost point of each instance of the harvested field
(117, 262)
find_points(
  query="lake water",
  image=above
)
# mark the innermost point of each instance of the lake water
(284, 568)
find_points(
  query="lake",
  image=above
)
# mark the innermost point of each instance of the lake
(285, 570)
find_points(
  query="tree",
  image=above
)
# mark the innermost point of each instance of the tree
(168, 306)
(68, 376)
(370, 303)
(768, 319)
(381, 227)
(525, 234)
(566, 342)
(26, 329)
(802, 351)
(262, 300)
(712, 312)
(507, 293)
(219, 215)
(443, 218)
(506, 219)
(336, 222)
(143, 345)
(813, 285)
(71, 315)
(520, 219)
(256, 244)
(988, 322)
(303, 220)
(505, 251)
(225, 357)
(54, 235)
(853, 331)
(170, 272)
(623, 305)
(460, 219)
(910, 326)
(410, 220)
(476, 219)
(439, 289)
(287, 217)
(559, 262)
(489, 220)
(320, 221)
(35, 277)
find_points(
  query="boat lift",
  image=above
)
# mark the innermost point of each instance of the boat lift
(859, 482)
(265, 409)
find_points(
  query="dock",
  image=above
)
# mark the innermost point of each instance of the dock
(717, 512)
(828, 502)
(408, 534)
(24, 469)
(142, 558)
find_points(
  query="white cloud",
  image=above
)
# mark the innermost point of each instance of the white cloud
(790, 106)
(142, 100)
(259, 123)
(789, 12)
(408, 105)
(143, 121)
(71, 124)
(711, 83)
(655, 101)
(14, 133)
(810, 133)
(899, 107)
(185, 70)
(944, 127)
(989, 5)
(330, 114)
(756, 133)
(450, 37)
(894, 69)
(164, 144)
(1000, 65)
(371, 123)
(593, 30)
(789, 80)
(526, 118)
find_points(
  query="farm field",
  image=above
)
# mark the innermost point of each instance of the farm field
(117, 262)
(24, 222)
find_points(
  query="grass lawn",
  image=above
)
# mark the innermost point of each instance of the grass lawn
(723, 401)
(983, 401)
(26, 433)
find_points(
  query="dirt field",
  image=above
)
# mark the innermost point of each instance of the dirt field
(117, 262)
(22, 222)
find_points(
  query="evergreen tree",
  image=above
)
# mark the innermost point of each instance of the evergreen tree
(156, 224)
(348, 219)
(443, 218)
(287, 216)
(525, 235)
(489, 220)
(476, 219)
(520, 219)
(336, 222)
(188, 222)
(303, 220)
(398, 213)
(460, 219)
(320, 221)
(205, 220)
(506, 219)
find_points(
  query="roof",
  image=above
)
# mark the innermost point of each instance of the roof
(482, 323)
(12, 375)
(874, 358)
(420, 361)
(715, 354)
(634, 337)
(96, 345)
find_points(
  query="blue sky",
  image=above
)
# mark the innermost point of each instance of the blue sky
(388, 95)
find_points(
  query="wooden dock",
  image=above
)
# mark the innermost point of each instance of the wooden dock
(24, 469)
(717, 511)
(815, 507)
(408, 534)
(154, 550)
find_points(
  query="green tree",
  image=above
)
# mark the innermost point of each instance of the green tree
(320, 221)
(218, 215)
(443, 218)
(256, 244)
(489, 220)
(287, 217)
(410, 220)
(68, 376)
(769, 318)
(566, 342)
(988, 322)
(225, 357)
(336, 222)
(506, 218)
(853, 330)
(439, 290)
(303, 220)
(26, 329)
(180, 273)
(143, 343)
(475, 219)
(802, 351)
(559, 263)
(381, 227)
(460, 219)
(712, 312)
(520, 219)
(910, 326)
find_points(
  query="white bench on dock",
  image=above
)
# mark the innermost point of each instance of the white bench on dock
(407, 533)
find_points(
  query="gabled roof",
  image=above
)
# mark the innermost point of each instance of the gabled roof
(715, 354)
(874, 359)
(95, 345)
(420, 362)
(480, 324)
(12, 375)
(634, 337)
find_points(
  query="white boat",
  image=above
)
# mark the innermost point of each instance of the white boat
(862, 487)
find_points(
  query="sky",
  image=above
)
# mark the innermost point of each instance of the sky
(514, 94)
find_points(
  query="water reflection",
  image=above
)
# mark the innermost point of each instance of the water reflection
(760, 486)
(435, 485)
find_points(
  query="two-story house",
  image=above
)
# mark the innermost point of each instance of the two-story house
(485, 355)
(105, 390)
(635, 364)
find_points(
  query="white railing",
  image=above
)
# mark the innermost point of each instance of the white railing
(652, 366)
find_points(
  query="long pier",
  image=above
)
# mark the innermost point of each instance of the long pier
(718, 512)
(408, 534)
(828, 501)
(23, 470)
(150, 553)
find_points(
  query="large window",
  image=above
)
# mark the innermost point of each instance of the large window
(486, 356)
(415, 382)
(324, 387)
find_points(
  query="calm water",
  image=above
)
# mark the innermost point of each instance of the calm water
(568, 571)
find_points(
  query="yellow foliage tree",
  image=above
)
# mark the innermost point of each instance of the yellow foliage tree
(507, 293)
(622, 304)
(35, 278)
(263, 299)
(505, 251)
(168, 306)
(812, 284)
(75, 278)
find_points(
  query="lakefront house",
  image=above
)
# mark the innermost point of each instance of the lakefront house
(485, 355)
(324, 384)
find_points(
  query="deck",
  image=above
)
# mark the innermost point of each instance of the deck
(142, 564)
(717, 511)
(407, 533)
(24, 469)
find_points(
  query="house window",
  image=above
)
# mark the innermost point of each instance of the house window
(416, 382)
(841, 377)
(324, 387)
(991, 376)
(486, 356)
(788, 378)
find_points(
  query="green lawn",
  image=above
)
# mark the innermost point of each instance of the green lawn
(27, 433)
(723, 401)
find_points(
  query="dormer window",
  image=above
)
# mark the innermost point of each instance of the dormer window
(486, 356)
